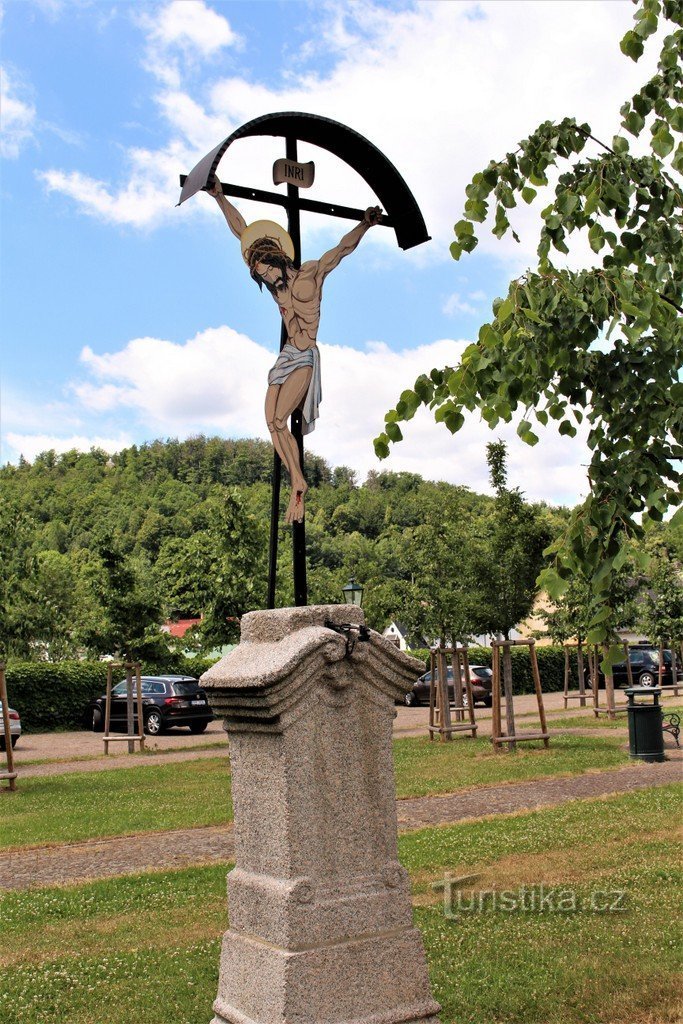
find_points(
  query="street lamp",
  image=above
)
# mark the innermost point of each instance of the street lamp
(353, 593)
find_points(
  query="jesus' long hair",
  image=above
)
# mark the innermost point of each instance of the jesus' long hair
(270, 252)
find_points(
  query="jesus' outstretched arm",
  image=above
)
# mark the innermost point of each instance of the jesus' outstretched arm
(236, 221)
(329, 260)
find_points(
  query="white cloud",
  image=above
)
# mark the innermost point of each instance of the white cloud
(455, 304)
(181, 34)
(215, 382)
(439, 87)
(17, 118)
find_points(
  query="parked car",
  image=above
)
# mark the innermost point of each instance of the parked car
(14, 727)
(167, 701)
(481, 679)
(644, 659)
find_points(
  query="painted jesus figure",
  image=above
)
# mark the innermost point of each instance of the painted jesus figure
(294, 380)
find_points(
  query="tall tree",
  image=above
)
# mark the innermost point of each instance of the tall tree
(236, 573)
(18, 596)
(507, 552)
(603, 344)
(126, 609)
(661, 606)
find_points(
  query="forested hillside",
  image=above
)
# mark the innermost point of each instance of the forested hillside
(98, 549)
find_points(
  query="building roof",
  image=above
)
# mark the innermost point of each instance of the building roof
(180, 627)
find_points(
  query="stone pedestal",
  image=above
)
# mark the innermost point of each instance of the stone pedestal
(320, 913)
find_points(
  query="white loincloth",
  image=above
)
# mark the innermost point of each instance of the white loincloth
(290, 359)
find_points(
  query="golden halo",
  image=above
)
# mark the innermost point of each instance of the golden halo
(266, 229)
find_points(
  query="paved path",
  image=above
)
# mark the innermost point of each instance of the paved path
(106, 764)
(99, 859)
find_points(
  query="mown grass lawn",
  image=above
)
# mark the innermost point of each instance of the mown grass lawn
(78, 806)
(146, 947)
(587, 720)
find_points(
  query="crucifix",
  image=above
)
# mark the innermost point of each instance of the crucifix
(273, 257)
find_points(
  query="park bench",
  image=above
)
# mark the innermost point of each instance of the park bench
(671, 722)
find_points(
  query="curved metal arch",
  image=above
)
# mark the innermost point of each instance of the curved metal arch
(355, 150)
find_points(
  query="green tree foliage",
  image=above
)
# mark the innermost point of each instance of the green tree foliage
(603, 345)
(238, 570)
(506, 553)
(570, 617)
(18, 598)
(660, 611)
(441, 602)
(185, 542)
(126, 607)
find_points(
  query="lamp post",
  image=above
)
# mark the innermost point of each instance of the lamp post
(353, 592)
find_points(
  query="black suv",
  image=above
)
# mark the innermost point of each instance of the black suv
(644, 661)
(166, 701)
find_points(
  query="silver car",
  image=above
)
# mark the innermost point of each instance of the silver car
(14, 727)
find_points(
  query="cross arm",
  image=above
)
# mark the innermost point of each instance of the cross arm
(300, 203)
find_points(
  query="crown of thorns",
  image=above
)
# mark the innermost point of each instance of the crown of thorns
(264, 247)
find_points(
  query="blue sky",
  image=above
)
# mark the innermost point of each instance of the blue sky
(125, 318)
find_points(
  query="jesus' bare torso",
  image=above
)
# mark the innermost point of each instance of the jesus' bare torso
(298, 294)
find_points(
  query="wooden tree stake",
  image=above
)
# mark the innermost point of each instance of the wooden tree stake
(440, 723)
(581, 695)
(131, 737)
(511, 737)
(10, 775)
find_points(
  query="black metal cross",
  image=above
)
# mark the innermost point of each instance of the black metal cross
(402, 214)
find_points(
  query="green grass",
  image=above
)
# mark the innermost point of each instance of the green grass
(78, 806)
(424, 768)
(88, 805)
(146, 947)
(587, 720)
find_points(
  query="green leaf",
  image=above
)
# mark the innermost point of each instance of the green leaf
(632, 46)
(634, 123)
(453, 420)
(621, 557)
(550, 581)
(529, 194)
(463, 227)
(487, 336)
(393, 432)
(566, 204)
(381, 446)
(456, 250)
(619, 144)
(677, 161)
(662, 140)
(504, 311)
(596, 237)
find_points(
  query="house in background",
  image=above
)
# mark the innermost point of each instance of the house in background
(179, 627)
(398, 633)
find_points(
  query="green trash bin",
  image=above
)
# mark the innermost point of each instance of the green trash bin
(645, 734)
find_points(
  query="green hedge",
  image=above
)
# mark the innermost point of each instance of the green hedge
(55, 695)
(550, 667)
